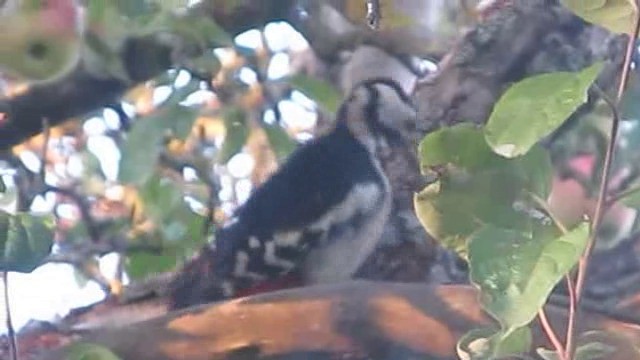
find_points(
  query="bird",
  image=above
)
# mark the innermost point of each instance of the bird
(319, 216)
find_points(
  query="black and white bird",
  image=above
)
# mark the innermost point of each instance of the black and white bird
(320, 215)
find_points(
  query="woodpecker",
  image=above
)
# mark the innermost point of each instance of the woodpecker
(319, 216)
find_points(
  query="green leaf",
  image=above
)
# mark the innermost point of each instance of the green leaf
(164, 203)
(614, 15)
(96, 11)
(88, 351)
(178, 95)
(536, 169)
(452, 209)
(280, 141)
(632, 198)
(517, 341)
(135, 8)
(9, 197)
(178, 232)
(461, 146)
(534, 107)
(183, 121)
(159, 196)
(588, 351)
(476, 186)
(195, 31)
(25, 241)
(594, 351)
(516, 270)
(139, 265)
(208, 63)
(486, 343)
(547, 354)
(3, 186)
(142, 146)
(32, 5)
(108, 28)
(320, 91)
(213, 33)
(237, 133)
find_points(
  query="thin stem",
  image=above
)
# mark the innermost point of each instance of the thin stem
(13, 345)
(46, 132)
(583, 264)
(548, 330)
(573, 301)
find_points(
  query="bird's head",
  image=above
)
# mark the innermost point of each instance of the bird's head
(378, 111)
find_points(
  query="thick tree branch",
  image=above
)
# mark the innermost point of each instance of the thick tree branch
(355, 320)
(516, 40)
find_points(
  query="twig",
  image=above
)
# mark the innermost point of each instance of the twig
(374, 14)
(548, 330)
(45, 148)
(13, 344)
(583, 264)
(81, 251)
(83, 206)
(602, 193)
(179, 163)
(621, 195)
(77, 255)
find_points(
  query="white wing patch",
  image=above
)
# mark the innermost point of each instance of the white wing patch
(241, 267)
(361, 199)
(254, 243)
(287, 238)
(270, 257)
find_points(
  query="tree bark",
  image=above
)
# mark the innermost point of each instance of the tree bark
(355, 320)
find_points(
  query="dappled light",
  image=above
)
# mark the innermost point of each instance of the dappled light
(291, 179)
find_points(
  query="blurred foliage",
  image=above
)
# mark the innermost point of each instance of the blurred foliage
(615, 15)
(25, 241)
(487, 343)
(86, 351)
(45, 41)
(41, 41)
(147, 178)
(319, 90)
